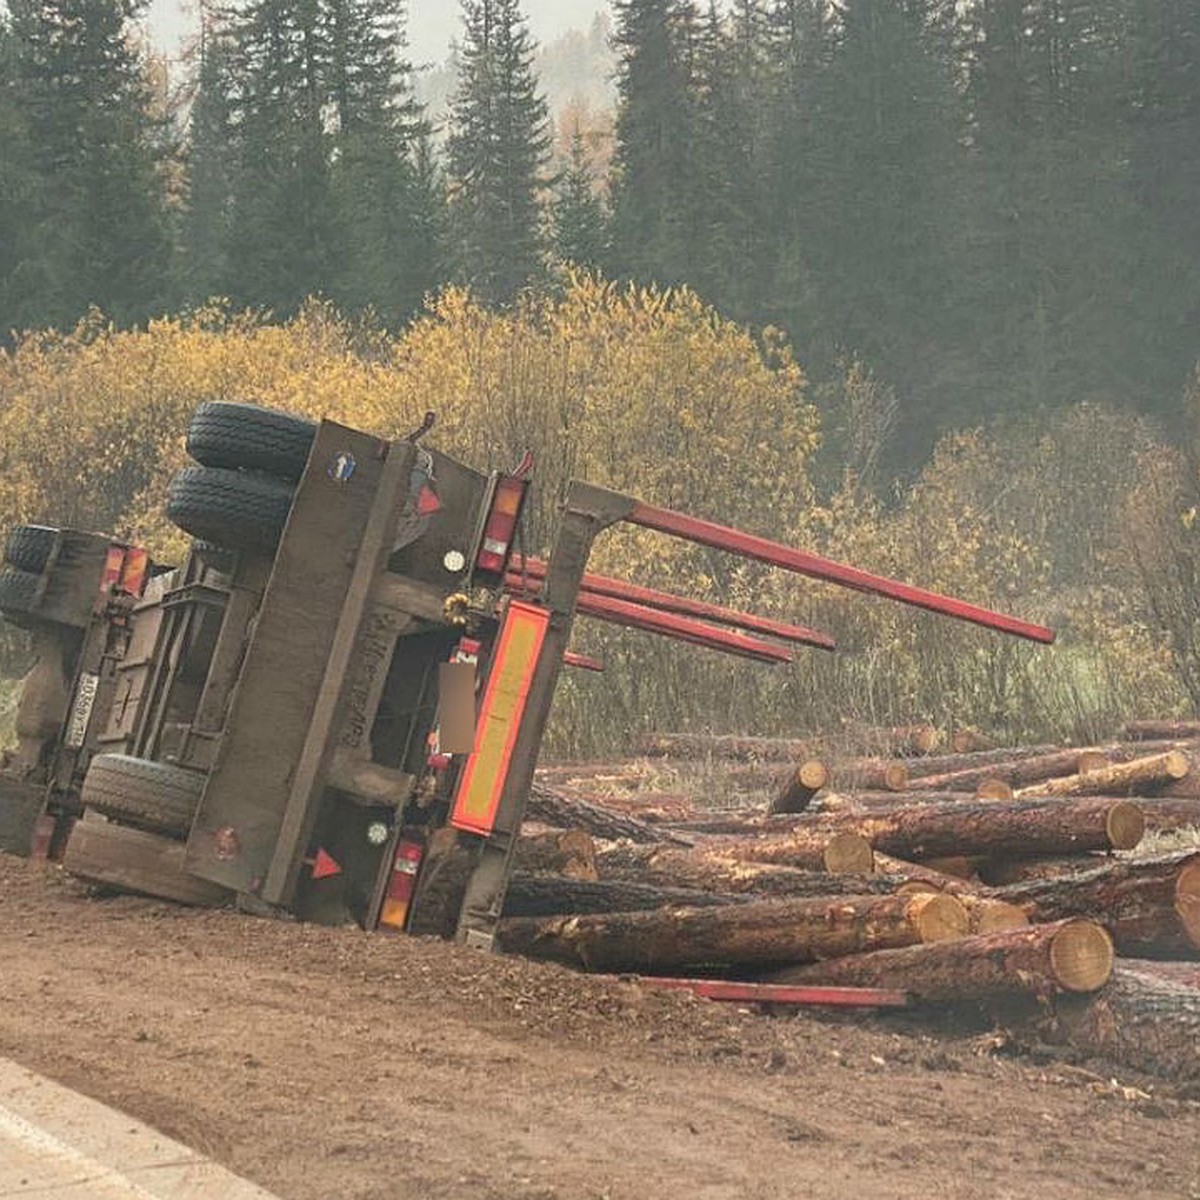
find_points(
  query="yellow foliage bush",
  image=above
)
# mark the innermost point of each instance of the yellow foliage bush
(652, 393)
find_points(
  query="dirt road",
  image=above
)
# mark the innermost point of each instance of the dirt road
(328, 1064)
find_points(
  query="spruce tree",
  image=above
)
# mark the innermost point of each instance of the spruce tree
(497, 152)
(17, 193)
(99, 232)
(580, 222)
(656, 168)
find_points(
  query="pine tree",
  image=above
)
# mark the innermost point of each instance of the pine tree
(497, 151)
(655, 167)
(206, 265)
(380, 199)
(580, 222)
(99, 236)
(17, 192)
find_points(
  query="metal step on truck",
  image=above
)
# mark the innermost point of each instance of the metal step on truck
(352, 669)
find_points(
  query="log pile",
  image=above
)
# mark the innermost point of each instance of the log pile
(969, 876)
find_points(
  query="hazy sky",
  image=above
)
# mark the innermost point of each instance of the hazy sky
(432, 23)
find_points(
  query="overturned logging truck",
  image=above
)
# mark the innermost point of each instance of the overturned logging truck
(351, 668)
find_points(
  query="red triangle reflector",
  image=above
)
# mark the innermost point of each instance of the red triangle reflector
(324, 866)
(427, 501)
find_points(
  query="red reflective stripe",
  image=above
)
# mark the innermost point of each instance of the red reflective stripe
(749, 545)
(683, 629)
(618, 589)
(518, 649)
(783, 993)
(133, 573)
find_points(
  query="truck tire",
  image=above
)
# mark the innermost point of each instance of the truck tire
(243, 435)
(151, 795)
(229, 508)
(28, 547)
(18, 594)
(132, 860)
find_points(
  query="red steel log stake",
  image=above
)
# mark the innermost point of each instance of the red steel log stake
(749, 545)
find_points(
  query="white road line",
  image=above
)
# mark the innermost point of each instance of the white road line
(94, 1174)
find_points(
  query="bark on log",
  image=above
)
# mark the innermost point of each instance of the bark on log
(665, 866)
(569, 852)
(1183, 974)
(1169, 812)
(994, 789)
(969, 741)
(559, 895)
(1002, 872)
(573, 812)
(1150, 906)
(908, 741)
(1068, 956)
(1137, 1021)
(839, 802)
(917, 877)
(800, 787)
(1020, 829)
(989, 915)
(871, 774)
(741, 749)
(1149, 731)
(947, 764)
(1118, 779)
(1017, 772)
(756, 935)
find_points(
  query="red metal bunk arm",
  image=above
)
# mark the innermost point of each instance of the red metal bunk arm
(618, 589)
(583, 662)
(749, 545)
(683, 629)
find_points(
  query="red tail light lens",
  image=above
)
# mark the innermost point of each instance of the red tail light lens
(401, 885)
(501, 525)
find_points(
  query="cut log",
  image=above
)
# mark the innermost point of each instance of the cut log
(1150, 906)
(800, 787)
(871, 774)
(1137, 1022)
(665, 866)
(1020, 829)
(569, 852)
(1017, 772)
(1002, 872)
(994, 789)
(916, 877)
(1117, 779)
(756, 935)
(910, 741)
(970, 741)
(572, 812)
(1148, 731)
(1068, 956)
(1184, 974)
(989, 915)
(1091, 760)
(560, 895)
(742, 749)
(839, 802)
(947, 764)
(1170, 812)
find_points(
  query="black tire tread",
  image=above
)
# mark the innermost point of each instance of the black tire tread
(28, 547)
(153, 796)
(230, 435)
(229, 508)
(18, 591)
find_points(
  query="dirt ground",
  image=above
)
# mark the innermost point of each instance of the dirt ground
(328, 1063)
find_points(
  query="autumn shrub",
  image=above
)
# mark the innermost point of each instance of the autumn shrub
(652, 393)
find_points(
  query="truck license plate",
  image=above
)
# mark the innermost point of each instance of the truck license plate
(81, 710)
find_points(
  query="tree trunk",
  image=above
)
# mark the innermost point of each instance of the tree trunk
(1150, 906)
(948, 764)
(800, 787)
(1149, 731)
(1169, 812)
(559, 895)
(1003, 872)
(708, 869)
(1068, 956)
(915, 877)
(741, 749)
(569, 852)
(1017, 772)
(1137, 1021)
(759, 934)
(1118, 779)
(871, 774)
(989, 915)
(1017, 830)
(970, 741)
(1183, 974)
(572, 812)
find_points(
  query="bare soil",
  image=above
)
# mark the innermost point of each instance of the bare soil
(329, 1063)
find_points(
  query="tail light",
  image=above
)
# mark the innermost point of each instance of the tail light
(501, 525)
(401, 885)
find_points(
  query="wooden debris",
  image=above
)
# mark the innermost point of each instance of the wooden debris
(1068, 956)
(1117, 779)
(759, 934)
